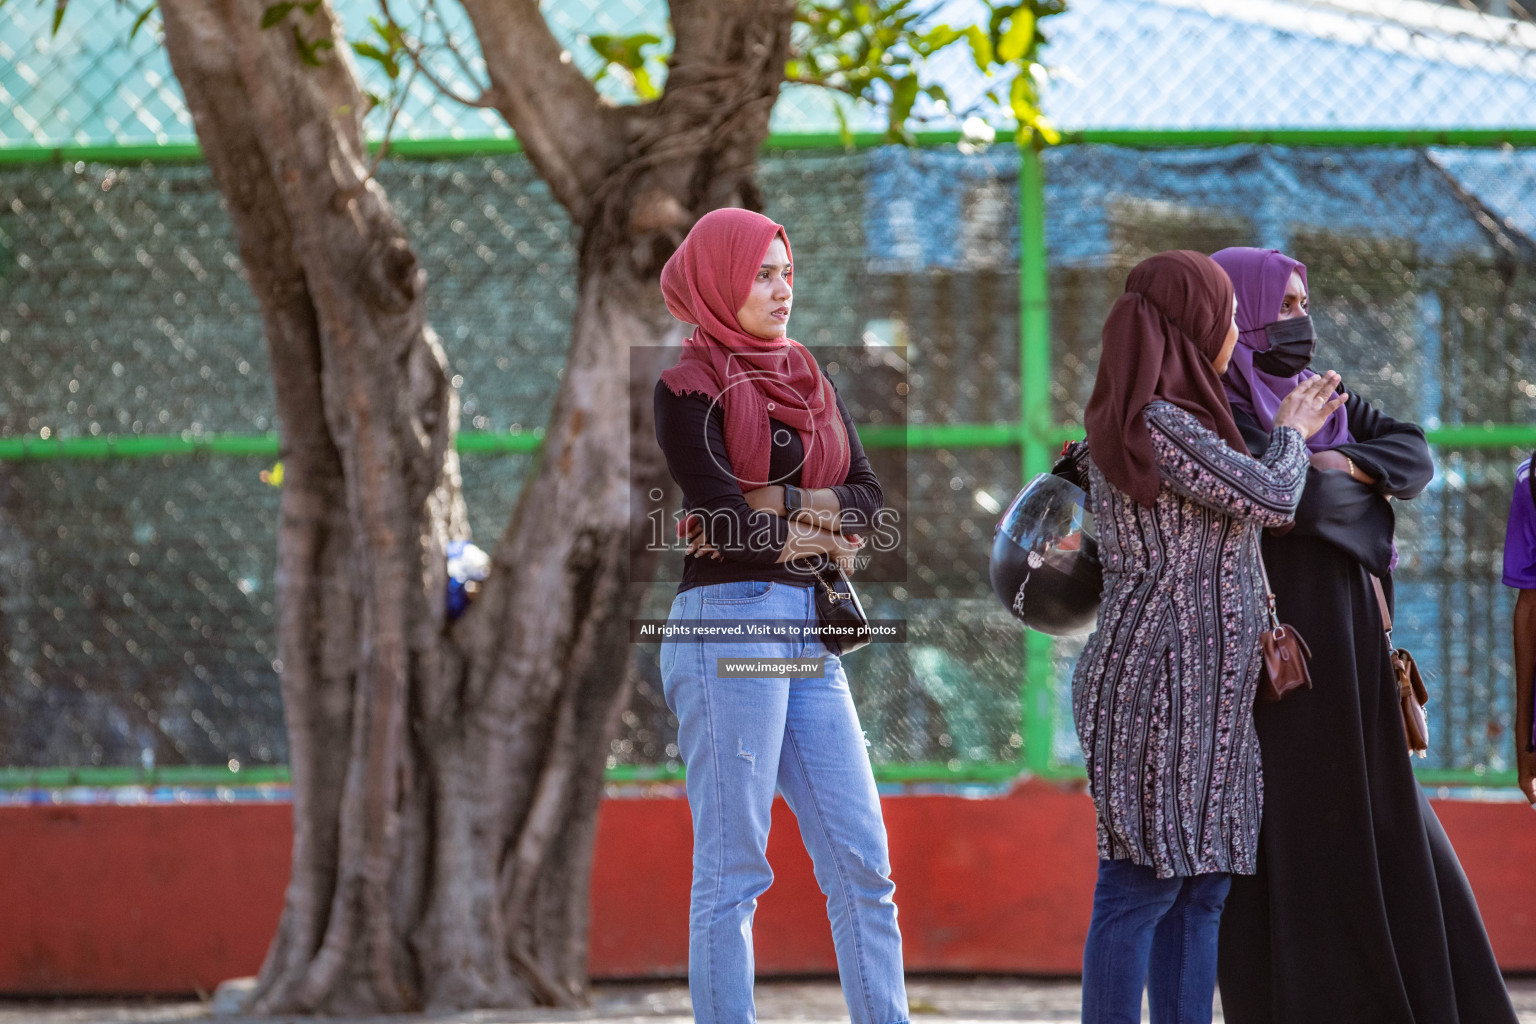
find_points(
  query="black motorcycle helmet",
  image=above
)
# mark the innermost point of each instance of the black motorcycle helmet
(1045, 559)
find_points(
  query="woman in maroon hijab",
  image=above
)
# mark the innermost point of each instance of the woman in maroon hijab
(1163, 693)
(1359, 910)
(770, 467)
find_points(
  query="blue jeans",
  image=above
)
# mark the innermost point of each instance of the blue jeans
(741, 738)
(1151, 933)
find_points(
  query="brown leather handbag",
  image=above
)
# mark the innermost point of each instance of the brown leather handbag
(1285, 653)
(1411, 693)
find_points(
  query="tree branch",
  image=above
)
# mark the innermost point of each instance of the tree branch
(723, 78)
(416, 52)
(572, 137)
(429, 13)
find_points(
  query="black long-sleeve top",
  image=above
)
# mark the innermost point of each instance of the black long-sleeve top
(1351, 515)
(691, 431)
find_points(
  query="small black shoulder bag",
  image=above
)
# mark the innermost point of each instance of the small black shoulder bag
(844, 626)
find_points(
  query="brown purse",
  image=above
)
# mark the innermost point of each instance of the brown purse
(1285, 653)
(1411, 693)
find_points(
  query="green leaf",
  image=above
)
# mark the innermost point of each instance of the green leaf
(627, 53)
(138, 22)
(275, 13)
(938, 37)
(1019, 37)
(1039, 123)
(623, 50)
(903, 95)
(981, 46)
(1025, 104)
(874, 52)
(644, 87)
(1000, 14)
(311, 6)
(59, 8)
(843, 130)
(388, 31)
(309, 52)
(1019, 96)
(385, 60)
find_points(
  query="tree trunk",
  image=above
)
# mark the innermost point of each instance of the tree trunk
(370, 486)
(446, 776)
(522, 744)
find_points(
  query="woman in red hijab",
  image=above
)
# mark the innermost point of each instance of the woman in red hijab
(773, 475)
(1163, 693)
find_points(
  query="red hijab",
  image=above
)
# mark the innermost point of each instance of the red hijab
(705, 282)
(1160, 341)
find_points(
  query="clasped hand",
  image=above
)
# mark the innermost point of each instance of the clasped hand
(840, 547)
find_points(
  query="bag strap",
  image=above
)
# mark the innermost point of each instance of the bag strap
(1381, 602)
(1269, 591)
(835, 575)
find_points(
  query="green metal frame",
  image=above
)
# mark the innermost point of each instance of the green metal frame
(219, 776)
(1035, 433)
(1146, 138)
(1036, 445)
(1039, 693)
(137, 446)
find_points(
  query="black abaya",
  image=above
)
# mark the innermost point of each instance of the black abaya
(1359, 912)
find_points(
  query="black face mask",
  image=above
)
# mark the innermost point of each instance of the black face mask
(1291, 344)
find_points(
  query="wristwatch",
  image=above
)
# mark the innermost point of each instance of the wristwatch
(794, 502)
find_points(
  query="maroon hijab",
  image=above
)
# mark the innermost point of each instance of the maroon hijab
(1159, 343)
(705, 282)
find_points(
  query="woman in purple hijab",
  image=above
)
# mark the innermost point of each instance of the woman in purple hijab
(1359, 911)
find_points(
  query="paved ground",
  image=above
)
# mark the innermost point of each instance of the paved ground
(934, 1001)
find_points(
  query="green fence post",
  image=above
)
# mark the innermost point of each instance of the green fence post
(1039, 696)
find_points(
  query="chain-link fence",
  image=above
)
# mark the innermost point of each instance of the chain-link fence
(103, 78)
(136, 593)
(1153, 64)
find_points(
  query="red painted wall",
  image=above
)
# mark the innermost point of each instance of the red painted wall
(138, 899)
(178, 898)
(988, 885)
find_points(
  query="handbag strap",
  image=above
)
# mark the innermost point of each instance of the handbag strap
(830, 585)
(1274, 618)
(1381, 602)
(1269, 591)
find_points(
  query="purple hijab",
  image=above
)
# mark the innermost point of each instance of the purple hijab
(1259, 277)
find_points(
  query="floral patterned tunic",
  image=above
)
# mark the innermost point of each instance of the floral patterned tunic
(1163, 693)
